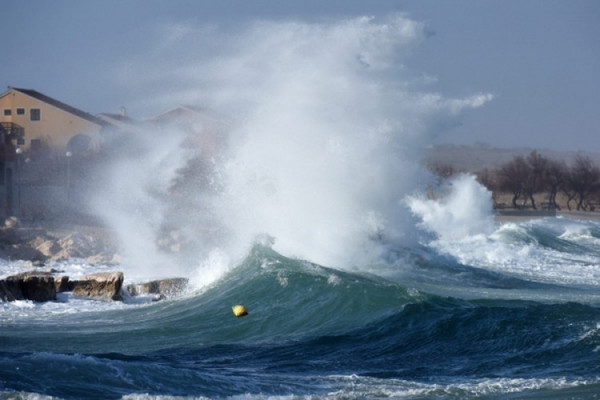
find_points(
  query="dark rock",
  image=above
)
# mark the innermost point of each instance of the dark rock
(32, 272)
(39, 245)
(24, 252)
(30, 285)
(106, 258)
(78, 245)
(47, 247)
(163, 287)
(10, 289)
(104, 286)
(63, 284)
(39, 288)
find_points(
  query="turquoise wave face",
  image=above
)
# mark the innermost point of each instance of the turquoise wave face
(434, 347)
(287, 299)
(439, 324)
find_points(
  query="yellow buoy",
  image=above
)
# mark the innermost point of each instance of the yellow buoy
(239, 310)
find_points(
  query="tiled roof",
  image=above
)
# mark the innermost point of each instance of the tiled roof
(118, 117)
(60, 105)
(180, 112)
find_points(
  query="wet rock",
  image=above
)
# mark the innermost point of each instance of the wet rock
(31, 285)
(10, 289)
(104, 286)
(39, 245)
(78, 245)
(32, 272)
(39, 288)
(63, 284)
(106, 258)
(164, 287)
(47, 247)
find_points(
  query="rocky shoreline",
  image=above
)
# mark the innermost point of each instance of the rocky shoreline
(38, 246)
(41, 245)
(95, 245)
(42, 286)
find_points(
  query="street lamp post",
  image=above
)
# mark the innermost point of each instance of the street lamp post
(68, 154)
(19, 152)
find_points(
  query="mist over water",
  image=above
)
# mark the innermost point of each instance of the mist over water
(326, 126)
(133, 197)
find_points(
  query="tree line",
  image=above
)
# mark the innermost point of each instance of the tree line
(531, 177)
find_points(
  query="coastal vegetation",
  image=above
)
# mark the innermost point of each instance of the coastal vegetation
(535, 181)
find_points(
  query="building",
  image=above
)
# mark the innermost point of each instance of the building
(205, 130)
(39, 136)
(32, 121)
(48, 149)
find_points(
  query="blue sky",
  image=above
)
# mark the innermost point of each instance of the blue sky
(540, 59)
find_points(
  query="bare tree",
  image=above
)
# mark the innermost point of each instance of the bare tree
(513, 177)
(489, 179)
(583, 180)
(555, 179)
(535, 176)
(568, 189)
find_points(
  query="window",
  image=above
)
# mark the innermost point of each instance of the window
(20, 111)
(7, 112)
(35, 114)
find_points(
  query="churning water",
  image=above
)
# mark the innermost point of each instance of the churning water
(312, 214)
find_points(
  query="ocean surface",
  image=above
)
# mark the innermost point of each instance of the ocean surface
(512, 314)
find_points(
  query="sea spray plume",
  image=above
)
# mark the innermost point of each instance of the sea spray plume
(330, 138)
(132, 194)
(315, 150)
(463, 209)
(325, 140)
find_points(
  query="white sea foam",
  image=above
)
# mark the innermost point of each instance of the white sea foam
(325, 132)
(360, 387)
(552, 250)
(210, 269)
(513, 250)
(463, 211)
(357, 387)
(365, 387)
(26, 311)
(25, 396)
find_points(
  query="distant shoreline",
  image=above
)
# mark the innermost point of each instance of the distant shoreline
(524, 215)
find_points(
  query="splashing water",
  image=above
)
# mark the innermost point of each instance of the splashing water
(322, 149)
(326, 128)
(466, 210)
